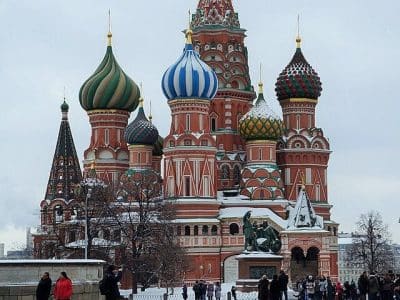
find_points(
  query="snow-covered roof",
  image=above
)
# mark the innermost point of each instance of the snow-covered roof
(196, 220)
(52, 261)
(95, 242)
(238, 212)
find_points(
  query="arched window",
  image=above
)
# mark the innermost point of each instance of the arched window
(213, 124)
(179, 230)
(225, 172)
(234, 229)
(72, 237)
(188, 122)
(196, 230)
(204, 230)
(214, 230)
(58, 214)
(187, 230)
(236, 175)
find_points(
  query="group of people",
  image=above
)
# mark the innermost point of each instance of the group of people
(375, 287)
(276, 289)
(63, 287)
(204, 291)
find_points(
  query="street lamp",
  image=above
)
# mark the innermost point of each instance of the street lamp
(88, 195)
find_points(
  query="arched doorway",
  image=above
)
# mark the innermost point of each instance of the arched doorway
(231, 269)
(302, 265)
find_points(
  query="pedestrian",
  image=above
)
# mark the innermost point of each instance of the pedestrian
(44, 287)
(217, 291)
(233, 291)
(196, 290)
(317, 292)
(274, 288)
(184, 292)
(110, 283)
(322, 287)
(330, 289)
(210, 291)
(310, 287)
(387, 288)
(63, 288)
(363, 285)
(339, 290)
(263, 288)
(373, 287)
(203, 289)
(283, 282)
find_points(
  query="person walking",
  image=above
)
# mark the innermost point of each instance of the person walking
(274, 288)
(387, 288)
(203, 290)
(44, 287)
(263, 288)
(373, 287)
(110, 282)
(184, 292)
(363, 285)
(310, 287)
(339, 290)
(218, 291)
(322, 287)
(210, 291)
(233, 291)
(196, 290)
(63, 288)
(330, 289)
(283, 282)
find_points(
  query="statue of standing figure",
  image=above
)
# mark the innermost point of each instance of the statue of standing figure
(260, 238)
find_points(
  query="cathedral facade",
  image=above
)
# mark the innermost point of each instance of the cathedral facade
(226, 152)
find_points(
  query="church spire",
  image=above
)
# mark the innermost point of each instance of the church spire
(65, 170)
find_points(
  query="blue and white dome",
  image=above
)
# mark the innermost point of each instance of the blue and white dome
(189, 77)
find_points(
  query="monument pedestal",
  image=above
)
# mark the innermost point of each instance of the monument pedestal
(253, 265)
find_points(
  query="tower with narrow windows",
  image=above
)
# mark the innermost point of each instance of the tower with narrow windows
(219, 39)
(108, 96)
(303, 151)
(189, 148)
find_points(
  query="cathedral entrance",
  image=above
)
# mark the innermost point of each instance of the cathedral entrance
(231, 269)
(303, 265)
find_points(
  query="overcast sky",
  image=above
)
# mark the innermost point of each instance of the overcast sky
(353, 45)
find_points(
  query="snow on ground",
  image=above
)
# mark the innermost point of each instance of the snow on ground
(157, 293)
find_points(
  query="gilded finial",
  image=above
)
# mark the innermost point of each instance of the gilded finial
(189, 32)
(141, 99)
(298, 39)
(150, 115)
(260, 84)
(109, 34)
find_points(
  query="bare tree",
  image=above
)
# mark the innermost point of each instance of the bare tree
(144, 220)
(371, 244)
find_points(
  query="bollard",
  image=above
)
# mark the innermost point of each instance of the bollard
(165, 296)
(229, 296)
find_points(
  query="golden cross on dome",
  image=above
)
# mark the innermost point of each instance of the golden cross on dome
(189, 32)
(260, 84)
(298, 39)
(109, 34)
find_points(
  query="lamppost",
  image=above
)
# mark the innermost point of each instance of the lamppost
(88, 195)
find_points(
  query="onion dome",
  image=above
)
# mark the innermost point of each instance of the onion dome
(158, 147)
(109, 87)
(261, 123)
(64, 107)
(189, 76)
(141, 131)
(298, 79)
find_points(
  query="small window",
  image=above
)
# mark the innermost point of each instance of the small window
(187, 230)
(72, 236)
(298, 121)
(214, 230)
(213, 124)
(204, 142)
(171, 143)
(225, 172)
(187, 142)
(106, 136)
(234, 229)
(187, 186)
(204, 230)
(196, 230)
(236, 175)
(188, 122)
(179, 230)
(317, 193)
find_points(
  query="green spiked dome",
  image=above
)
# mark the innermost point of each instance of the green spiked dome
(109, 87)
(261, 123)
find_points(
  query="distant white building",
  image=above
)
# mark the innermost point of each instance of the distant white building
(1, 250)
(348, 271)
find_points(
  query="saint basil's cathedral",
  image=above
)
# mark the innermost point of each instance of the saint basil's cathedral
(226, 152)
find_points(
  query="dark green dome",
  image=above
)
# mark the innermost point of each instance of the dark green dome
(109, 87)
(261, 123)
(158, 147)
(64, 107)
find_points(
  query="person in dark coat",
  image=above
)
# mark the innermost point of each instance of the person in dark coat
(111, 279)
(44, 287)
(233, 291)
(274, 288)
(363, 285)
(184, 292)
(263, 288)
(283, 282)
(196, 290)
(330, 289)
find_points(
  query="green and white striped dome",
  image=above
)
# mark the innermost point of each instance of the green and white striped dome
(109, 87)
